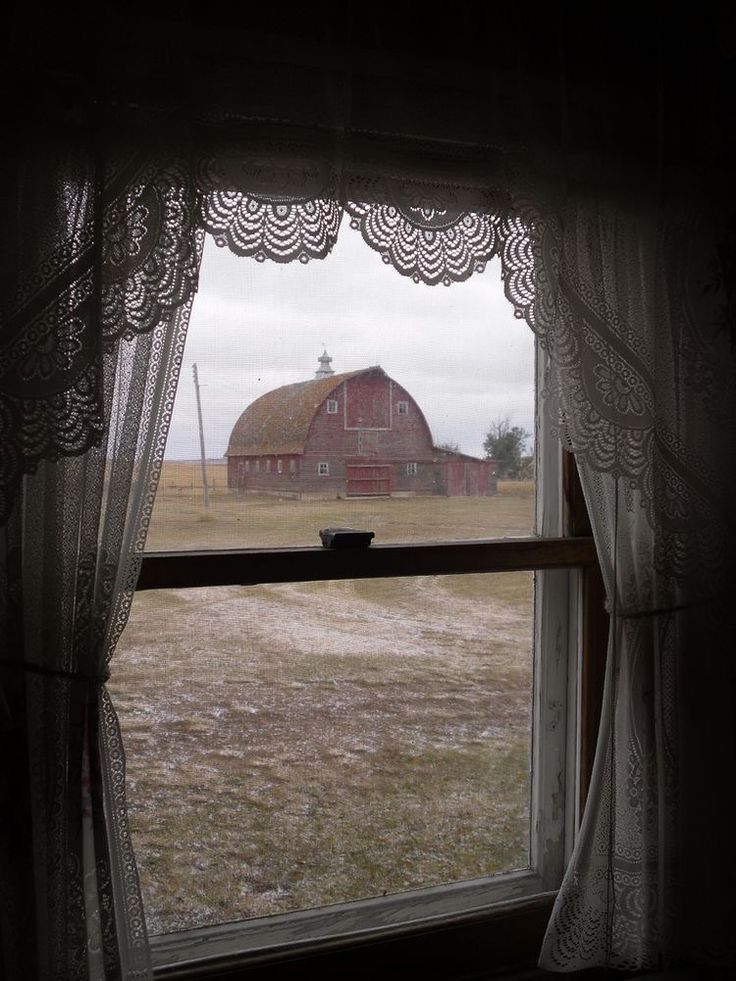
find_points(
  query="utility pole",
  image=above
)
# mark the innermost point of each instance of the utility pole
(201, 440)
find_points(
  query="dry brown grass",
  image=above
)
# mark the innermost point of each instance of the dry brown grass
(182, 478)
(297, 745)
(252, 521)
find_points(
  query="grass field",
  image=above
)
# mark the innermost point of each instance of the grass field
(183, 478)
(180, 520)
(302, 744)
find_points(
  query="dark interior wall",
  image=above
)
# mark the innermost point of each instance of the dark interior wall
(645, 80)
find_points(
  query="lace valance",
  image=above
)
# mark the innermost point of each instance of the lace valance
(118, 261)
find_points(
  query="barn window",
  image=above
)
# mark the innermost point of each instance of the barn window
(323, 468)
(258, 464)
(331, 407)
(402, 408)
(268, 464)
(292, 465)
(246, 466)
(411, 469)
(279, 466)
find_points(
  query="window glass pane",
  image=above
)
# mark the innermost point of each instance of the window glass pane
(345, 363)
(291, 746)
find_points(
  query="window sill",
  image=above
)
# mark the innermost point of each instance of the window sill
(444, 932)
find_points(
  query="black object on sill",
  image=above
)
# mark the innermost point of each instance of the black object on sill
(345, 538)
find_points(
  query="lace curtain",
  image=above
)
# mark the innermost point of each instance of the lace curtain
(644, 366)
(626, 295)
(98, 278)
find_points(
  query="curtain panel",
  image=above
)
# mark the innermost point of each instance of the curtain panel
(99, 268)
(645, 374)
(623, 283)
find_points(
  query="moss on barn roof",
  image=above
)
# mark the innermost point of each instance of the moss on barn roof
(278, 422)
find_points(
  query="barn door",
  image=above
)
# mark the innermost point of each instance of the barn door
(369, 479)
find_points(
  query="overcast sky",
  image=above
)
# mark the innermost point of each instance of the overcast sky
(458, 350)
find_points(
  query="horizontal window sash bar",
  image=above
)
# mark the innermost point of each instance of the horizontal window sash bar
(249, 567)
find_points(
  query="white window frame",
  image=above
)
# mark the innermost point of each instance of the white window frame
(555, 750)
(402, 408)
(411, 469)
(332, 407)
(323, 468)
(279, 466)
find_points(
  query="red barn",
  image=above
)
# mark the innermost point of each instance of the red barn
(354, 434)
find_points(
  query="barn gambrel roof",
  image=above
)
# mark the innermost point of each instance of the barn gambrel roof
(278, 422)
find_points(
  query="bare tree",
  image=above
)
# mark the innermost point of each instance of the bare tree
(506, 443)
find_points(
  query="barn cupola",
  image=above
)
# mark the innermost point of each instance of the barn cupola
(324, 369)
